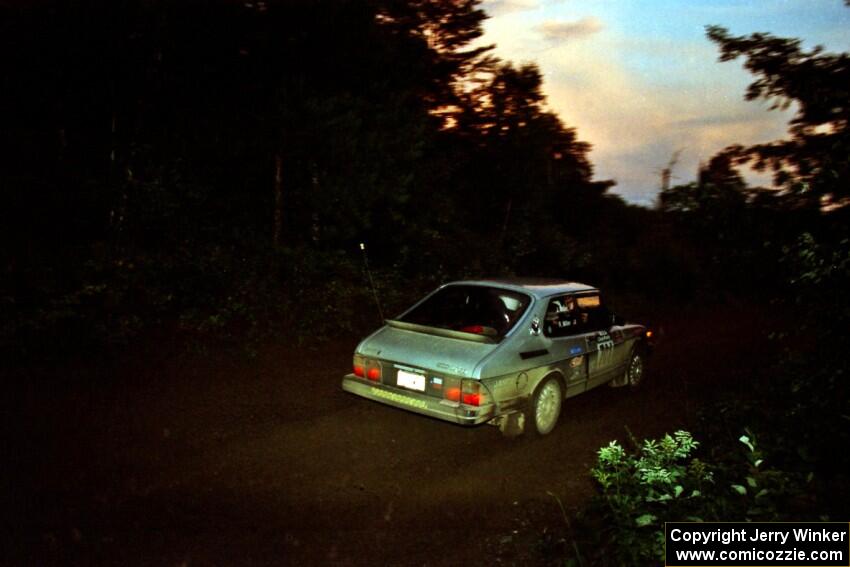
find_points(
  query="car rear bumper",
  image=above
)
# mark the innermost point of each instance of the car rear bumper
(412, 401)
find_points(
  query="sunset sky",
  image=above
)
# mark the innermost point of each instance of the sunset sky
(639, 79)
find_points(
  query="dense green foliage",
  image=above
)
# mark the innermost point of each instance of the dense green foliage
(666, 481)
(771, 451)
(657, 481)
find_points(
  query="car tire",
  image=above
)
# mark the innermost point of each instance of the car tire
(636, 370)
(545, 407)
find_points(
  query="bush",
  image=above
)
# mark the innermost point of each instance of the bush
(639, 490)
(664, 481)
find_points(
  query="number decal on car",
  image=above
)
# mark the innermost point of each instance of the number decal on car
(604, 348)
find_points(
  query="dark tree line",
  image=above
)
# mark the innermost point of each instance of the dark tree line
(211, 160)
(214, 166)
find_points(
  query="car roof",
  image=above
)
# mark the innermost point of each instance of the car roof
(537, 287)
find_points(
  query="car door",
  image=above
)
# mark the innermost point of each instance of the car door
(567, 341)
(604, 351)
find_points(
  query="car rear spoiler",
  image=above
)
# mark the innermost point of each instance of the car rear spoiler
(484, 339)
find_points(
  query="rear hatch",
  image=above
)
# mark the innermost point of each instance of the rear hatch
(426, 360)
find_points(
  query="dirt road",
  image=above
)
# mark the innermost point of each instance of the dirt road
(161, 459)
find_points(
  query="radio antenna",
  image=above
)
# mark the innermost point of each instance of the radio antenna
(371, 281)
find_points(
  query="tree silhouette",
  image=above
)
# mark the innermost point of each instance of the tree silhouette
(169, 159)
(814, 161)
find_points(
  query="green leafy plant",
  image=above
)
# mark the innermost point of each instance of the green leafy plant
(763, 491)
(659, 481)
(662, 480)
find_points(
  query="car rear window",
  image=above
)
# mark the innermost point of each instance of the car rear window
(470, 308)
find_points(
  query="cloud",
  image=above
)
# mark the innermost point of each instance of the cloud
(496, 8)
(553, 30)
(638, 99)
(635, 124)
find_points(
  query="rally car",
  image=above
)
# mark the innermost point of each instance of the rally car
(503, 351)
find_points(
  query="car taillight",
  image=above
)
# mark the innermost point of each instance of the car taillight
(367, 368)
(451, 389)
(471, 393)
(359, 365)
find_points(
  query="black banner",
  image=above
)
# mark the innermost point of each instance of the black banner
(761, 544)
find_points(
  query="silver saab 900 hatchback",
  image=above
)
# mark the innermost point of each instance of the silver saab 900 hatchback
(507, 352)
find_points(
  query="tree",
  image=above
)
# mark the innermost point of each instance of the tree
(815, 160)
(521, 151)
(718, 187)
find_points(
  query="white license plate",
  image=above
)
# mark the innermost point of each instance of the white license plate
(411, 380)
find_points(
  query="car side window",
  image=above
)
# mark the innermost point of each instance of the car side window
(562, 317)
(594, 316)
(573, 314)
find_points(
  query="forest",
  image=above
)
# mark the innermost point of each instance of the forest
(223, 176)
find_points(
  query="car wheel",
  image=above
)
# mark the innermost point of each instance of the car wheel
(546, 406)
(635, 370)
